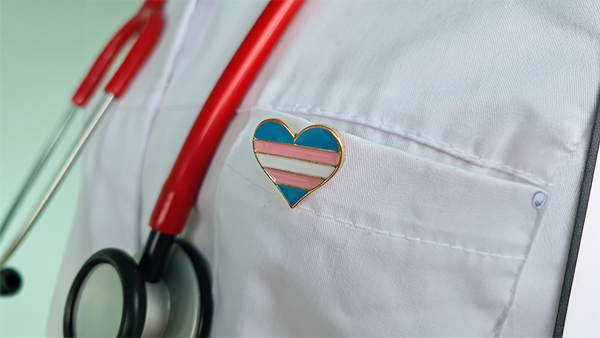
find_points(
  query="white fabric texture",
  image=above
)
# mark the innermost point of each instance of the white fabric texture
(454, 113)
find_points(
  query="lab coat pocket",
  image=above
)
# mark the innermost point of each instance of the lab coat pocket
(392, 245)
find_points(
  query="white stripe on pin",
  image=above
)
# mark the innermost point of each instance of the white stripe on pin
(296, 166)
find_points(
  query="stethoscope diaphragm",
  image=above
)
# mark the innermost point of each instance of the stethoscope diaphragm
(110, 297)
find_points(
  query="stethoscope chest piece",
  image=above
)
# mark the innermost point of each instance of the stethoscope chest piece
(110, 298)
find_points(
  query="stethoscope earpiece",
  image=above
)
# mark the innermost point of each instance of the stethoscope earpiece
(111, 298)
(10, 282)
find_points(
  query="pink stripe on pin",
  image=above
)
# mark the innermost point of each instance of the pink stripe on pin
(293, 151)
(296, 180)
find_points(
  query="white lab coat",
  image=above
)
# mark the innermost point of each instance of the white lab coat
(455, 115)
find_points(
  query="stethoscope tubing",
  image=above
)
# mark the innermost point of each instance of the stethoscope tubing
(147, 25)
(180, 190)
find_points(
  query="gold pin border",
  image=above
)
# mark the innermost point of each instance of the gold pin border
(336, 134)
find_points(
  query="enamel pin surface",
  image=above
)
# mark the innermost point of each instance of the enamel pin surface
(299, 163)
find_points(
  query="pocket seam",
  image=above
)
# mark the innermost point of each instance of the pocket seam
(444, 147)
(386, 233)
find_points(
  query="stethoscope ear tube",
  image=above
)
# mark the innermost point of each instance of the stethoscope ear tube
(149, 21)
(41, 161)
(93, 121)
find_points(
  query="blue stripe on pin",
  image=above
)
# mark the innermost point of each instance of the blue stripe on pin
(318, 138)
(292, 194)
(274, 132)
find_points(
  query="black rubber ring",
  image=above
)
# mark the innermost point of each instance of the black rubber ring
(134, 292)
(202, 270)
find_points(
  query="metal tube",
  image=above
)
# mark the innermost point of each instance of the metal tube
(37, 168)
(100, 110)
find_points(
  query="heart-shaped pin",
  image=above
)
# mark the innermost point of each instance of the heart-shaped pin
(300, 163)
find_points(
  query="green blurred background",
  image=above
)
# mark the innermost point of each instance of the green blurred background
(46, 46)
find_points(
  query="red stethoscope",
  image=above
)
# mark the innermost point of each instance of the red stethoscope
(165, 290)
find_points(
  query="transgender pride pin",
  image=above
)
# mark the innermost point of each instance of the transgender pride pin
(300, 163)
